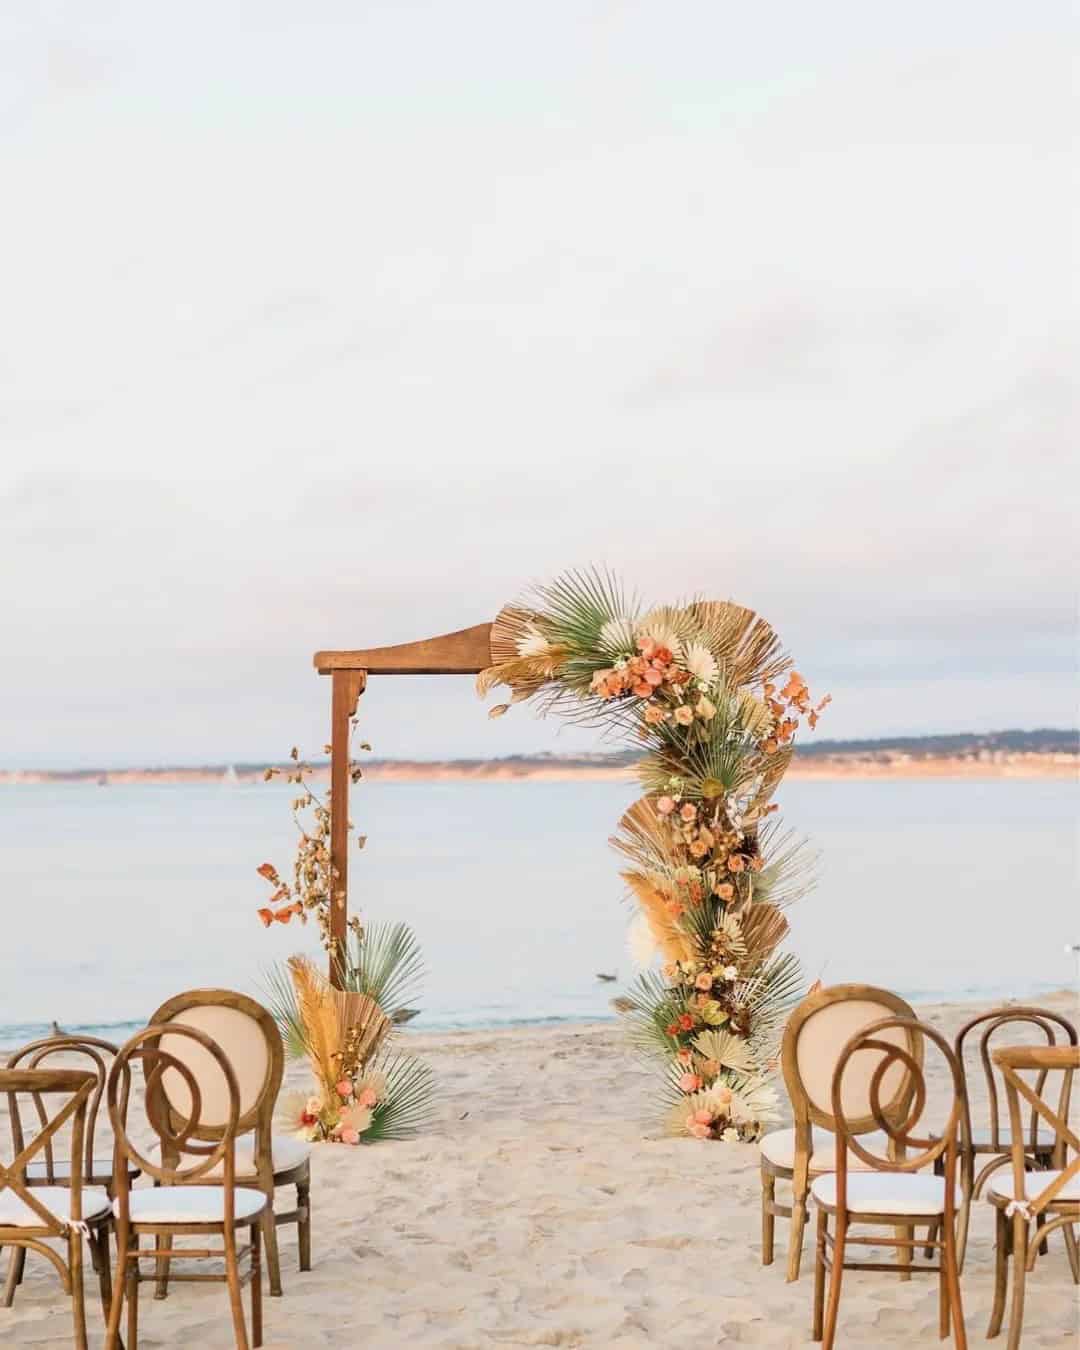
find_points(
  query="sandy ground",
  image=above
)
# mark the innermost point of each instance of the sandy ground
(544, 1208)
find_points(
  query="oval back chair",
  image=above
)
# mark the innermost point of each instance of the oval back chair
(815, 1034)
(193, 1143)
(249, 1036)
(890, 1191)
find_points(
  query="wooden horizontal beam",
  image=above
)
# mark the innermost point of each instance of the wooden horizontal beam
(463, 653)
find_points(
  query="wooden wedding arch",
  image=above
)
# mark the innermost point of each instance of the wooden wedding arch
(466, 652)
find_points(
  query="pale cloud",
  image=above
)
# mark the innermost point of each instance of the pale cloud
(339, 326)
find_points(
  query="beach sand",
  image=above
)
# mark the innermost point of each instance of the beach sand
(545, 1208)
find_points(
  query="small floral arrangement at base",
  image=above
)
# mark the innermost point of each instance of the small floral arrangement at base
(344, 1114)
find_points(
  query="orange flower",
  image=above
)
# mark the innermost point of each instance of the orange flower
(686, 1022)
(662, 656)
(654, 714)
(688, 812)
(725, 890)
(684, 715)
(770, 746)
(665, 805)
(703, 981)
(267, 916)
(269, 871)
(643, 690)
(689, 1082)
(653, 677)
(736, 862)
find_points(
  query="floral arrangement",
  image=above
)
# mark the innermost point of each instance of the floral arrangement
(707, 692)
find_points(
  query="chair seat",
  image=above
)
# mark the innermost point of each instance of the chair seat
(887, 1193)
(779, 1148)
(1003, 1187)
(286, 1152)
(16, 1213)
(39, 1171)
(189, 1204)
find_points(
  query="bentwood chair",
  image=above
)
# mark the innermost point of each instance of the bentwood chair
(873, 1064)
(1020, 1196)
(177, 1206)
(815, 1034)
(249, 1036)
(30, 1216)
(994, 1142)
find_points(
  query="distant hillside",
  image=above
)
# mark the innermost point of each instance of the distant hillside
(1045, 741)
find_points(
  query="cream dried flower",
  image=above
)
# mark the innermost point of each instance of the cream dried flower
(533, 643)
(701, 663)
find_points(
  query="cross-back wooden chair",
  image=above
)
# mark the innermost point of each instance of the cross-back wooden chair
(994, 1141)
(31, 1215)
(1020, 1196)
(249, 1036)
(816, 1033)
(178, 1206)
(92, 1055)
(890, 1193)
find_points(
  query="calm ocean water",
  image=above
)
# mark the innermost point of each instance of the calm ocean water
(117, 897)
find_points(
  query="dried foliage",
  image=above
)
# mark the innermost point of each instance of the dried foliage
(707, 689)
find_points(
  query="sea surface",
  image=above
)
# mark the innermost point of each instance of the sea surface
(116, 897)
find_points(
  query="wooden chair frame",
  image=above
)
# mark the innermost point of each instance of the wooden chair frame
(806, 1116)
(259, 1121)
(33, 1056)
(831, 1247)
(37, 1083)
(178, 1137)
(1013, 1217)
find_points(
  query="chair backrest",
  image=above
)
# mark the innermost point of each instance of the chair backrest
(181, 1136)
(75, 1085)
(1050, 1026)
(248, 1035)
(1012, 1061)
(95, 1057)
(814, 1038)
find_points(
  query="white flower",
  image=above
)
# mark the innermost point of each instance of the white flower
(730, 1136)
(731, 972)
(533, 643)
(701, 663)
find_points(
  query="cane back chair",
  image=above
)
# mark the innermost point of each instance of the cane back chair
(815, 1034)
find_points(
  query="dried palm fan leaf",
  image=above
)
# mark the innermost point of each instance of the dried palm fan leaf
(318, 1017)
(763, 929)
(513, 626)
(673, 942)
(642, 838)
(362, 1028)
(729, 1051)
(745, 646)
(772, 768)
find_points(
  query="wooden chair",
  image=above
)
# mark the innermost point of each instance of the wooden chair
(815, 1034)
(178, 1206)
(93, 1056)
(31, 1215)
(890, 1193)
(249, 1036)
(995, 1141)
(1020, 1196)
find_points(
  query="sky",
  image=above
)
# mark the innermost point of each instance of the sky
(340, 324)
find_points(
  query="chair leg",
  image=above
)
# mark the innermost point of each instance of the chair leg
(950, 1278)
(1001, 1273)
(828, 1335)
(768, 1218)
(904, 1254)
(1074, 1256)
(132, 1282)
(161, 1286)
(931, 1237)
(16, 1262)
(1040, 1222)
(303, 1227)
(112, 1330)
(798, 1228)
(78, 1299)
(819, 1274)
(1019, 1252)
(100, 1246)
(273, 1261)
(256, 1286)
(232, 1278)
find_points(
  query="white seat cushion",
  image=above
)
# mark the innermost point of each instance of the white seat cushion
(779, 1148)
(37, 1171)
(286, 1152)
(1002, 1185)
(189, 1204)
(887, 1193)
(16, 1213)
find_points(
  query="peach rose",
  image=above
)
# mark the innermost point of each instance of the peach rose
(684, 1057)
(643, 690)
(689, 1082)
(344, 1088)
(367, 1097)
(725, 891)
(736, 862)
(646, 646)
(654, 678)
(697, 849)
(700, 1131)
(689, 811)
(665, 805)
(350, 1136)
(663, 655)
(703, 981)
(702, 1117)
(684, 715)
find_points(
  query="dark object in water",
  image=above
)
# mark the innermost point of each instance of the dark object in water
(404, 1015)
(55, 1030)
(610, 979)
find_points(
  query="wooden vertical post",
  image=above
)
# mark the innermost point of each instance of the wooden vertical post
(348, 685)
